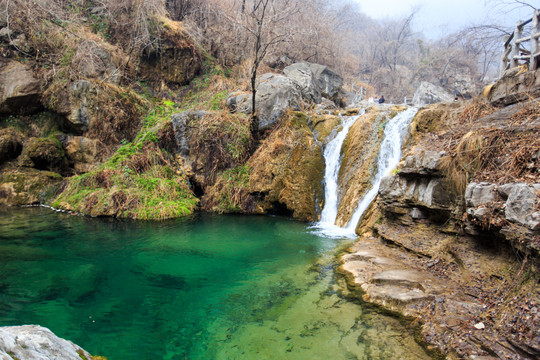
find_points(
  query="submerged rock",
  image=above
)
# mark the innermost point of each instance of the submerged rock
(33, 342)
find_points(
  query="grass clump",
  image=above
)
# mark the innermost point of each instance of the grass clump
(230, 194)
(140, 180)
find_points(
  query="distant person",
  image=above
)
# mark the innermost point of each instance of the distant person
(381, 100)
(376, 99)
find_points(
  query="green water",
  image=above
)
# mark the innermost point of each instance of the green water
(209, 287)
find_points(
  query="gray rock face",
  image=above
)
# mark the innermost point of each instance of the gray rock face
(428, 93)
(82, 93)
(302, 74)
(515, 86)
(423, 164)
(520, 206)
(327, 81)
(478, 194)
(32, 342)
(20, 91)
(277, 93)
(418, 192)
(180, 124)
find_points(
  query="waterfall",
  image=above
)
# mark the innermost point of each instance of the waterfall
(332, 159)
(388, 158)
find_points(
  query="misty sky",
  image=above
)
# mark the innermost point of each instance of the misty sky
(440, 17)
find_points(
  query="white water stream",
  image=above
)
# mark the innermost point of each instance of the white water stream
(388, 158)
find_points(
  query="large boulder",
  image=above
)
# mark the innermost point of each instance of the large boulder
(514, 86)
(20, 90)
(328, 82)
(428, 93)
(33, 342)
(303, 75)
(275, 95)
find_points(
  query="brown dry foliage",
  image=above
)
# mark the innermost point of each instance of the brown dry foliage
(120, 112)
(498, 150)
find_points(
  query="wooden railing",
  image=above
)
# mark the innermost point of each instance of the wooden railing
(515, 54)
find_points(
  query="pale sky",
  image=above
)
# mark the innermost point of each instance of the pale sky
(440, 17)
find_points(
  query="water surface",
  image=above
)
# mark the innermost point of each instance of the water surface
(207, 287)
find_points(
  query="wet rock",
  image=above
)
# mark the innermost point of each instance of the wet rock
(26, 186)
(287, 171)
(10, 144)
(20, 90)
(33, 342)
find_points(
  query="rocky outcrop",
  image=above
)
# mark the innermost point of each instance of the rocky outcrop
(511, 210)
(20, 90)
(33, 342)
(517, 84)
(301, 82)
(287, 171)
(417, 191)
(175, 61)
(428, 93)
(44, 154)
(27, 186)
(81, 152)
(10, 144)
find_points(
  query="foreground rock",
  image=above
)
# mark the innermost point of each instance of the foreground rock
(32, 342)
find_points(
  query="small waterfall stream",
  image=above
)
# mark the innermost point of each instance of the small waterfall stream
(332, 158)
(388, 158)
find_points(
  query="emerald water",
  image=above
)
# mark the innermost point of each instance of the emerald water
(207, 287)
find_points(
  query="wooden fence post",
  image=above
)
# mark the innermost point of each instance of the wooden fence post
(514, 54)
(535, 35)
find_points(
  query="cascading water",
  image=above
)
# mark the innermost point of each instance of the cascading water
(332, 158)
(388, 158)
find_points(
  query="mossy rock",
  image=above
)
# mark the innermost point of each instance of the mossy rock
(44, 154)
(323, 125)
(26, 186)
(10, 144)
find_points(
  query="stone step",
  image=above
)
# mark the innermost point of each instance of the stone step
(402, 278)
(396, 294)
